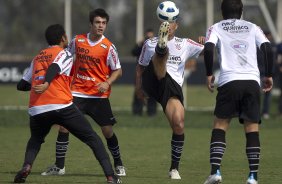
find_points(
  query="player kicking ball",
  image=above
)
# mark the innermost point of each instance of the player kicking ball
(159, 74)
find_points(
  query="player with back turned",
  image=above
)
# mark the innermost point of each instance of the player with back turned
(238, 85)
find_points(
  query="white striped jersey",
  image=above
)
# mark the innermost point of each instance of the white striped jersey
(180, 51)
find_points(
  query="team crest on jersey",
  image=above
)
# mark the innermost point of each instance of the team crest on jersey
(104, 46)
(39, 78)
(81, 40)
(178, 46)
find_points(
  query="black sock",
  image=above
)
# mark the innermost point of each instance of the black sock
(161, 51)
(114, 149)
(177, 142)
(61, 149)
(217, 148)
(253, 152)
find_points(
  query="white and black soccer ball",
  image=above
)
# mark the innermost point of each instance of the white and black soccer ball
(167, 11)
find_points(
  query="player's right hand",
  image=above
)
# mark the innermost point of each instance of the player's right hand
(267, 84)
(210, 83)
(41, 87)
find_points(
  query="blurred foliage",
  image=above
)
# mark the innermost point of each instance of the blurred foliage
(22, 22)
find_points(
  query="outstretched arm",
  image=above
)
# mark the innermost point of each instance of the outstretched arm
(138, 84)
(23, 85)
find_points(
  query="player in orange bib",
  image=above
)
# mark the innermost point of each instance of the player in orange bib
(48, 80)
(96, 67)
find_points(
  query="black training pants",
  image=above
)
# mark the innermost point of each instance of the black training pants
(73, 120)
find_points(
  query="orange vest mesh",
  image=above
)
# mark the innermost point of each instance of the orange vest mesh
(59, 89)
(91, 66)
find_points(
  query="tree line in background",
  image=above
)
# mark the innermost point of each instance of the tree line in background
(22, 22)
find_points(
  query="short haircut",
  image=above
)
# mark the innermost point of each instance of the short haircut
(231, 9)
(54, 34)
(99, 12)
(149, 30)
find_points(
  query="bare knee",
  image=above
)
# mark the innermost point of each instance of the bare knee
(107, 131)
(175, 114)
(177, 125)
(63, 129)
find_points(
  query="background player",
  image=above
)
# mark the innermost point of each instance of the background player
(137, 104)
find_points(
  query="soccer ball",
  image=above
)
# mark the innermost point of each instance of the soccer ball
(167, 11)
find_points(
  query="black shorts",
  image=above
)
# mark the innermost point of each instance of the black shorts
(161, 90)
(99, 109)
(240, 98)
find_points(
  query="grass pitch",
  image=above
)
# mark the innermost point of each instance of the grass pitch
(144, 142)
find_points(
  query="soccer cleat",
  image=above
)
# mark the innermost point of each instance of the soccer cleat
(53, 170)
(120, 171)
(174, 174)
(22, 174)
(252, 180)
(113, 179)
(214, 179)
(163, 35)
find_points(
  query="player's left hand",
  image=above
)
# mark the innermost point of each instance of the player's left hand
(210, 83)
(267, 83)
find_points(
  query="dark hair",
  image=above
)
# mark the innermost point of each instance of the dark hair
(231, 9)
(149, 30)
(99, 12)
(54, 34)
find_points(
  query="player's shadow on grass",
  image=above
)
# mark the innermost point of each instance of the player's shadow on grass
(39, 174)
(67, 174)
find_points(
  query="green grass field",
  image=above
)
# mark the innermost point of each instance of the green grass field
(144, 142)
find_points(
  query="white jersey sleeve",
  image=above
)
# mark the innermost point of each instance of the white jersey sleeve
(28, 75)
(211, 36)
(260, 36)
(195, 49)
(65, 61)
(112, 58)
(148, 51)
(71, 46)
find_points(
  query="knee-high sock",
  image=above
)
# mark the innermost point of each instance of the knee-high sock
(114, 149)
(177, 142)
(253, 152)
(61, 149)
(217, 148)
